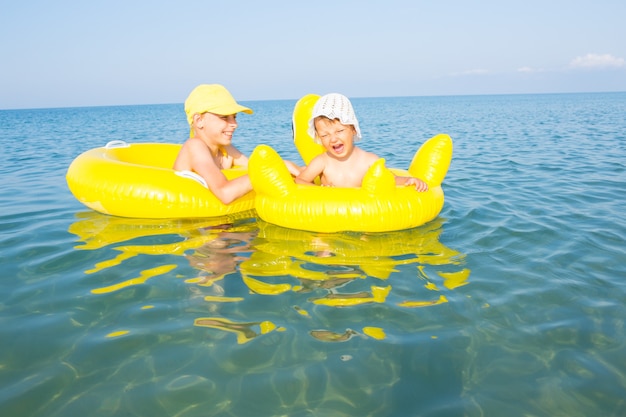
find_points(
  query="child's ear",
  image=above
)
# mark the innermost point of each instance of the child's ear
(197, 120)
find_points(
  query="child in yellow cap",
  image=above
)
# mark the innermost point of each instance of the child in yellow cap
(334, 125)
(212, 115)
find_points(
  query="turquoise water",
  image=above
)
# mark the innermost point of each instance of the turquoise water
(511, 303)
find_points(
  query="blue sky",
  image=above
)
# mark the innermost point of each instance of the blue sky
(89, 53)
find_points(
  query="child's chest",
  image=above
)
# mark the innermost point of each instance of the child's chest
(343, 175)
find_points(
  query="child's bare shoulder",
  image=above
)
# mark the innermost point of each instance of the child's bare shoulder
(366, 156)
(194, 143)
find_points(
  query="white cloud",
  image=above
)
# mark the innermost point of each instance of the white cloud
(597, 61)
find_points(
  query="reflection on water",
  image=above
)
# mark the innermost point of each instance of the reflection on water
(215, 242)
(221, 254)
(333, 261)
(343, 270)
(335, 266)
(244, 331)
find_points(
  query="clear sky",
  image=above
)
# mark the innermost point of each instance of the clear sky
(113, 52)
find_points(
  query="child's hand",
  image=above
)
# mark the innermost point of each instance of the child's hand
(420, 185)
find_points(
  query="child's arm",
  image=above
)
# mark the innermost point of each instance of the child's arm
(406, 181)
(294, 169)
(310, 172)
(204, 165)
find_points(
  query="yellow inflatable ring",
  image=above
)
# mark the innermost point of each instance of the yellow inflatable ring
(137, 180)
(377, 206)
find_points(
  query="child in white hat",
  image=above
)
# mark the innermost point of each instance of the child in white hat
(334, 125)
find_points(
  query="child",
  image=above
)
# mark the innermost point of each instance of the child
(334, 124)
(212, 115)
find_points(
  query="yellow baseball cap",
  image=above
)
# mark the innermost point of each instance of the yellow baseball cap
(212, 98)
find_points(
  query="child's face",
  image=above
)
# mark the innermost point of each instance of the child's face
(337, 138)
(219, 128)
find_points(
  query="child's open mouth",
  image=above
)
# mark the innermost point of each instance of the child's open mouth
(338, 148)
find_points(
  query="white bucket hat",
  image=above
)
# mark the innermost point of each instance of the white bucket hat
(334, 106)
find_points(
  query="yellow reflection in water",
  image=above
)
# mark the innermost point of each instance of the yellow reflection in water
(96, 231)
(442, 299)
(145, 275)
(331, 261)
(207, 236)
(375, 332)
(222, 299)
(117, 333)
(452, 280)
(289, 253)
(244, 331)
(378, 295)
(274, 261)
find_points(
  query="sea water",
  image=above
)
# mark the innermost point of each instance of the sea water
(511, 303)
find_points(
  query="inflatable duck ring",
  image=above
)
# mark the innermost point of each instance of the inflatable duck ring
(377, 206)
(138, 181)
